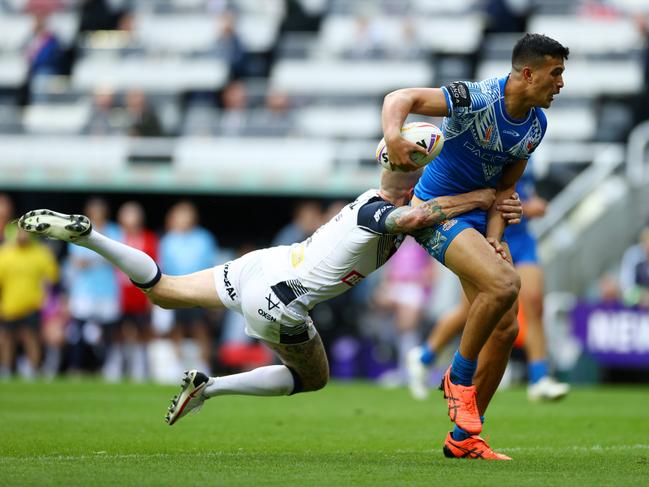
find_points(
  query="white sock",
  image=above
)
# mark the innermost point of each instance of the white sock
(137, 265)
(407, 341)
(272, 380)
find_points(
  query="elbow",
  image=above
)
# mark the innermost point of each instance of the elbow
(387, 99)
(396, 94)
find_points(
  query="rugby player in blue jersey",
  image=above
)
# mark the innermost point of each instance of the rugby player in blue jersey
(491, 128)
(522, 245)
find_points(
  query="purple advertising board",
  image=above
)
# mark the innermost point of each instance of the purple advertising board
(614, 335)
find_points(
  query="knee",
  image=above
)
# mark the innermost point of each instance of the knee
(317, 382)
(505, 287)
(313, 381)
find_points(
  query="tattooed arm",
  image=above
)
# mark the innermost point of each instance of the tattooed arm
(408, 218)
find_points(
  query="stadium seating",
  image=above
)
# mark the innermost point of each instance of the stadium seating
(365, 77)
(13, 69)
(613, 36)
(168, 75)
(56, 119)
(335, 76)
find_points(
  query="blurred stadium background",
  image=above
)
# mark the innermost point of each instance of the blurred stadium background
(265, 114)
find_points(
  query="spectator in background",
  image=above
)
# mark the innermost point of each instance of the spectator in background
(405, 290)
(94, 302)
(44, 56)
(368, 40)
(27, 267)
(55, 317)
(143, 120)
(184, 249)
(307, 217)
(411, 46)
(229, 45)
(103, 119)
(234, 109)
(634, 272)
(275, 119)
(6, 214)
(609, 292)
(134, 331)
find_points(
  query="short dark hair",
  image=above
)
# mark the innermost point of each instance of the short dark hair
(532, 48)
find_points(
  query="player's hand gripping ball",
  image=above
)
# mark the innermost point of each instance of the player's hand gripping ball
(426, 135)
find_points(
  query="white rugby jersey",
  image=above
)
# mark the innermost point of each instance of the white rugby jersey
(336, 257)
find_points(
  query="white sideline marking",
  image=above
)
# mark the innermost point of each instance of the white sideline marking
(579, 448)
(127, 456)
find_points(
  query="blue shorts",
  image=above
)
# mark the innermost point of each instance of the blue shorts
(522, 245)
(437, 238)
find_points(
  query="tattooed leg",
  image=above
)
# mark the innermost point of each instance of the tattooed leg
(308, 360)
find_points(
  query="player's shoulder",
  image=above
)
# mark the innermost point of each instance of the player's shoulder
(487, 91)
(363, 198)
(472, 96)
(372, 213)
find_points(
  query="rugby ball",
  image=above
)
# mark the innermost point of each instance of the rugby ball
(427, 135)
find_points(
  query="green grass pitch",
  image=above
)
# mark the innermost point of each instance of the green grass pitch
(89, 433)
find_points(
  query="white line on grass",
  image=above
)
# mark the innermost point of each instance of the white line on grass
(594, 448)
(139, 456)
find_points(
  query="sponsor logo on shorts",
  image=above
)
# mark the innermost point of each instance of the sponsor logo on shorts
(226, 281)
(448, 224)
(353, 278)
(266, 315)
(271, 304)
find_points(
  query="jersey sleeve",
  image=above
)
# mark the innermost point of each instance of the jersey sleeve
(466, 97)
(372, 215)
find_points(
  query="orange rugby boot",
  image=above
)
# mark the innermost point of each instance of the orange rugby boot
(473, 447)
(462, 406)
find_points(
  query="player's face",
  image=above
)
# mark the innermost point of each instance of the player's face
(548, 81)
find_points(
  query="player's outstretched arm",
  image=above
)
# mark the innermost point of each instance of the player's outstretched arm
(407, 218)
(396, 107)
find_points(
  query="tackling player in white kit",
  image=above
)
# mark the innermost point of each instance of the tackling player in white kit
(274, 289)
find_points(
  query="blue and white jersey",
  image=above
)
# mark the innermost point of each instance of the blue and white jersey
(481, 139)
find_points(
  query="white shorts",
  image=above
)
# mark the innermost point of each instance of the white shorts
(243, 287)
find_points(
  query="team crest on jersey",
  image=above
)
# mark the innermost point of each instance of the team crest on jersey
(448, 224)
